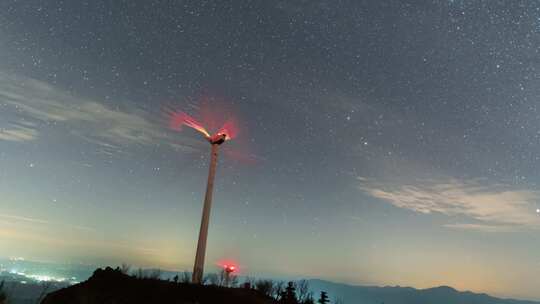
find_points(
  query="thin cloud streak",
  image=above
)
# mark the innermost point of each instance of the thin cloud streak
(18, 134)
(18, 218)
(480, 227)
(87, 119)
(496, 207)
(22, 218)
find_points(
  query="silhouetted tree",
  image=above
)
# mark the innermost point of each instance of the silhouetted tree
(175, 279)
(3, 296)
(266, 287)
(154, 274)
(212, 279)
(220, 279)
(324, 298)
(289, 295)
(205, 280)
(233, 280)
(278, 290)
(140, 274)
(249, 281)
(186, 277)
(125, 268)
(303, 292)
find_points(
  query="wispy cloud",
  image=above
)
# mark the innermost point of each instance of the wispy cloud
(23, 218)
(17, 218)
(480, 227)
(18, 133)
(89, 119)
(489, 207)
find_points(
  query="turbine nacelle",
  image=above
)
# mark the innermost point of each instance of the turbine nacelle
(217, 139)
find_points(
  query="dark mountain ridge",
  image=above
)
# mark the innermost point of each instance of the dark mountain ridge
(354, 294)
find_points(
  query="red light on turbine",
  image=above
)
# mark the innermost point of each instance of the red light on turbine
(229, 129)
(228, 266)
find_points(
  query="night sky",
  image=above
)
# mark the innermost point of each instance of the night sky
(381, 142)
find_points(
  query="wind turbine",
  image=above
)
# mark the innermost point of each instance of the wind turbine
(227, 132)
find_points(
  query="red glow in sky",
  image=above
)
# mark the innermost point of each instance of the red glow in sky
(230, 128)
(212, 117)
(179, 119)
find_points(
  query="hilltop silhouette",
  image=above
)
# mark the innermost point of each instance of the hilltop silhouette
(113, 286)
(117, 286)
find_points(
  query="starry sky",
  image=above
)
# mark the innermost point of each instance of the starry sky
(381, 142)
